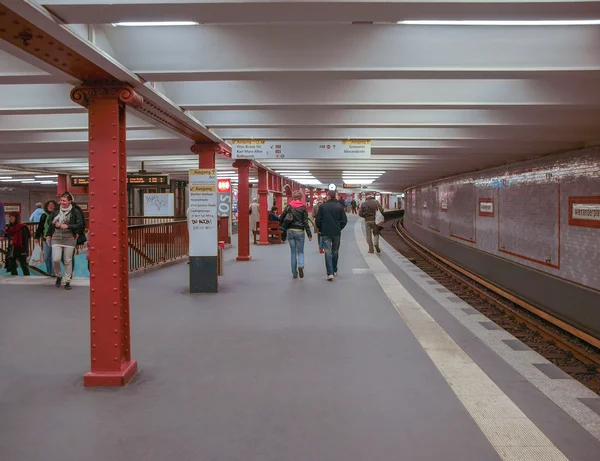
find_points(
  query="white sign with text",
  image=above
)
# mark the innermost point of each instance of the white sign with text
(202, 219)
(261, 148)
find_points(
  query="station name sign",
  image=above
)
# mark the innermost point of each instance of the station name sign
(277, 149)
(142, 180)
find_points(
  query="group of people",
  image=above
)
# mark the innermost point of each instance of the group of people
(329, 221)
(61, 227)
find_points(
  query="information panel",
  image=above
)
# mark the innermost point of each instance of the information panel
(260, 148)
(202, 219)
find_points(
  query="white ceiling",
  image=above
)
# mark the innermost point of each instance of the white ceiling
(435, 100)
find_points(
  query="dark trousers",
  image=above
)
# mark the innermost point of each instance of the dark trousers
(23, 261)
(331, 245)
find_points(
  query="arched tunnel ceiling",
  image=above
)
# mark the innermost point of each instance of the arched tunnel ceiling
(435, 100)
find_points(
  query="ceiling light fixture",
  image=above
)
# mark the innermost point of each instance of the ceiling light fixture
(560, 22)
(5, 177)
(153, 23)
(47, 176)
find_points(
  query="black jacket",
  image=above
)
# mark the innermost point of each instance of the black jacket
(331, 218)
(368, 209)
(76, 222)
(300, 219)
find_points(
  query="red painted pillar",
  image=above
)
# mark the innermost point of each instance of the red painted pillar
(263, 197)
(63, 184)
(279, 194)
(111, 363)
(206, 155)
(243, 167)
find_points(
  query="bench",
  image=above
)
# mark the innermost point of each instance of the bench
(274, 232)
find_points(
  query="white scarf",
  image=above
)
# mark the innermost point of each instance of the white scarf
(63, 215)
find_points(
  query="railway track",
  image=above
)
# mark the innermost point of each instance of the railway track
(576, 357)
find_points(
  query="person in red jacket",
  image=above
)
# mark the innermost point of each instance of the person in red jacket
(19, 235)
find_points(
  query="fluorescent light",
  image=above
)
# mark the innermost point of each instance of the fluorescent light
(561, 22)
(47, 176)
(284, 172)
(154, 23)
(5, 177)
(48, 182)
(27, 180)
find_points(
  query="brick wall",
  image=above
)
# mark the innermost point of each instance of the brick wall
(520, 212)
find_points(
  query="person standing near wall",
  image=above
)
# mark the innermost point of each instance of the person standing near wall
(42, 232)
(66, 228)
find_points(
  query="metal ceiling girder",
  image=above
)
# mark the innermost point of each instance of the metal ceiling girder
(32, 29)
(345, 51)
(238, 11)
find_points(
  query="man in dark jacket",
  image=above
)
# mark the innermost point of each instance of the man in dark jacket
(294, 221)
(368, 210)
(331, 219)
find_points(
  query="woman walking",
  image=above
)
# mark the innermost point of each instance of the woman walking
(18, 234)
(294, 220)
(42, 232)
(66, 227)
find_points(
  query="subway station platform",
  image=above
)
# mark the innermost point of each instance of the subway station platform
(381, 364)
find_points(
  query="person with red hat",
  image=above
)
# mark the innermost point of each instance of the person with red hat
(18, 250)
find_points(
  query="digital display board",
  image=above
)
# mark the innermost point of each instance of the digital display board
(80, 181)
(142, 180)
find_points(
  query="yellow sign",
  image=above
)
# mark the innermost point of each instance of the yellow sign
(365, 142)
(248, 141)
(203, 189)
(203, 172)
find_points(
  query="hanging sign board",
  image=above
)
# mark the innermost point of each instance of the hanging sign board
(202, 219)
(261, 148)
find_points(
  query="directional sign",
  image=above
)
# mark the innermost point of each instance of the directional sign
(261, 148)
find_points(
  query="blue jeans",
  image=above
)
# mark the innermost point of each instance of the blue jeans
(296, 241)
(331, 245)
(320, 241)
(48, 258)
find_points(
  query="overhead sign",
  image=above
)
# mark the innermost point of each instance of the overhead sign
(202, 219)
(352, 186)
(148, 180)
(142, 180)
(261, 148)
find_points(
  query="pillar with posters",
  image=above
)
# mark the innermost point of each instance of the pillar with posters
(202, 225)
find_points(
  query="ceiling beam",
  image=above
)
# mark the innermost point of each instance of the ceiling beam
(246, 11)
(338, 51)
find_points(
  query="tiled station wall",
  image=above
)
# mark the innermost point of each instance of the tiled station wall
(521, 212)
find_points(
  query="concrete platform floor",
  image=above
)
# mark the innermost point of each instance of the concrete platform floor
(270, 369)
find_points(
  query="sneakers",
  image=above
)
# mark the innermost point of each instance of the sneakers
(301, 272)
(330, 278)
(58, 282)
(377, 249)
(371, 252)
(321, 251)
(67, 286)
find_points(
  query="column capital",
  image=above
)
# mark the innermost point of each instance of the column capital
(205, 148)
(242, 164)
(84, 95)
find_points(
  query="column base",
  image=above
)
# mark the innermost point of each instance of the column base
(263, 243)
(111, 378)
(243, 258)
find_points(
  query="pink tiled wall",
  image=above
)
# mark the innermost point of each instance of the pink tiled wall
(530, 225)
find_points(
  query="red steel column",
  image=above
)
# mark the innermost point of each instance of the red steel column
(62, 185)
(243, 167)
(263, 198)
(206, 155)
(111, 363)
(279, 194)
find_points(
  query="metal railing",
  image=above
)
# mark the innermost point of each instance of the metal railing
(140, 220)
(150, 244)
(154, 244)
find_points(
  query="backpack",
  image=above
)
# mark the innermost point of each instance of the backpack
(81, 239)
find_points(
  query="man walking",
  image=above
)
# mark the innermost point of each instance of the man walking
(331, 219)
(368, 210)
(37, 214)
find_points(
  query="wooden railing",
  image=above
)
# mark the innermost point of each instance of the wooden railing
(150, 244)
